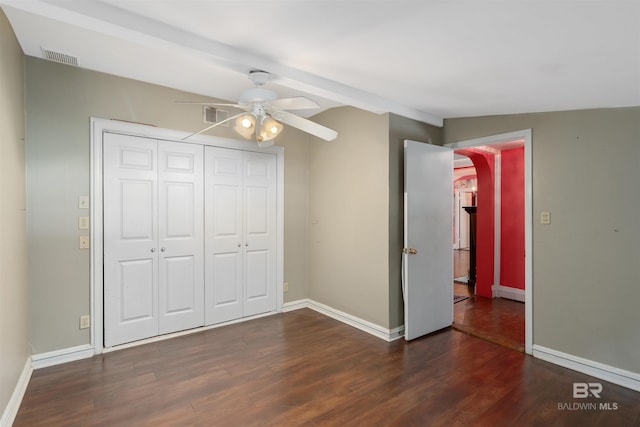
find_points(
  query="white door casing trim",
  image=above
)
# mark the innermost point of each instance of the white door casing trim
(97, 128)
(524, 135)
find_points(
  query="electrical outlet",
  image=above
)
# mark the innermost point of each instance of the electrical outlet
(85, 321)
(84, 242)
(285, 286)
(545, 217)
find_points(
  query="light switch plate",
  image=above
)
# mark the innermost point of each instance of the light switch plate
(84, 242)
(83, 202)
(83, 223)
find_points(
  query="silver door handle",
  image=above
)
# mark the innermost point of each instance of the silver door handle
(239, 244)
(153, 249)
(163, 249)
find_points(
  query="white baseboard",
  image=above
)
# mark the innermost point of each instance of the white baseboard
(396, 333)
(295, 305)
(61, 356)
(11, 410)
(507, 292)
(168, 336)
(364, 325)
(599, 370)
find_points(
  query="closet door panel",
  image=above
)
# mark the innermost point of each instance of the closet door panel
(130, 238)
(257, 274)
(260, 233)
(180, 293)
(136, 288)
(181, 239)
(223, 234)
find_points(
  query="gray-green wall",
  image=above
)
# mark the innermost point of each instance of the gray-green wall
(356, 213)
(14, 319)
(348, 215)
(59, 101)
(585, 263)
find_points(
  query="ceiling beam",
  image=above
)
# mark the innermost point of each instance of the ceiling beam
(109, 20)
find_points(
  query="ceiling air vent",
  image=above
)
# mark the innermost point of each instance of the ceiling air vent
(215, 115)
(62, 58)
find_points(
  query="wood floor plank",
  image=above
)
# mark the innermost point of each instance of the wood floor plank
(305, 369)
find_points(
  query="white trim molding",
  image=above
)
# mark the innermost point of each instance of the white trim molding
(11, 410)
(364, 325)
(589, 367)
(515, 294)
(295, 305)
(64, 355)
(524, 135)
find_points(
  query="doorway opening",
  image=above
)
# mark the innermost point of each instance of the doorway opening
(496, 311)
(499, 306)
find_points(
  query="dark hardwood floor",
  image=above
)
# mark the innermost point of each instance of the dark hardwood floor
(304, 369)
(498, 320)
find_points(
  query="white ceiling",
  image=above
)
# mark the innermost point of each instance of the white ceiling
(426, 60)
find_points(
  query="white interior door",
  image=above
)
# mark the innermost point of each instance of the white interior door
(428, 227)
(224, 234)
(181, 236)
(259, 233)
(130, 238)
(240, 223)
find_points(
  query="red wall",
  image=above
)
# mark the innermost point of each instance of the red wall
(485, 236)
(512, 219)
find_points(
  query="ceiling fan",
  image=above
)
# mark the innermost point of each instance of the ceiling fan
(264, 114)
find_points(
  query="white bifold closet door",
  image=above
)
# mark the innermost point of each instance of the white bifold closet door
(240, 244)
(153, 237)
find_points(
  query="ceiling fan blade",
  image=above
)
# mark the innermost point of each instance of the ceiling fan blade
(214, 125)
(305, 125)
(295, 103)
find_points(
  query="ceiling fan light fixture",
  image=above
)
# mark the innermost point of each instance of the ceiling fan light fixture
(269, 128)
(245, 125)
(265, 114)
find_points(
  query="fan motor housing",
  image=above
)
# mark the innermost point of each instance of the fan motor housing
(257, 95)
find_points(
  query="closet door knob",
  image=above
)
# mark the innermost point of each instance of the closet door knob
(153, 249)
(239, 244)
(163, 249)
